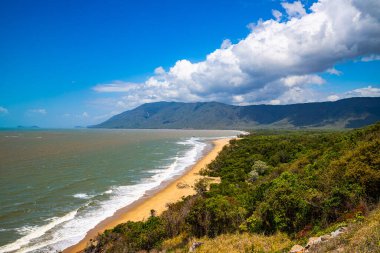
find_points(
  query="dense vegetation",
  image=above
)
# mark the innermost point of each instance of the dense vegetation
(349, 113)
(293, 183)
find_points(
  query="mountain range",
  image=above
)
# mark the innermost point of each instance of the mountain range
(345, 113)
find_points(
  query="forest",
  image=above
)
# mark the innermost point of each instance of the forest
(286, 185)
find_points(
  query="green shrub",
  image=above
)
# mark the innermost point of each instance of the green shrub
(214, 216)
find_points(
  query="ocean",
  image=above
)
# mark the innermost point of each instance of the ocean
(55, 185)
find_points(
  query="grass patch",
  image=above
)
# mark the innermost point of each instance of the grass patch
(362, 236)
(236, 243)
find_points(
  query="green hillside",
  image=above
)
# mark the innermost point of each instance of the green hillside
(346, 113)
(279, 187)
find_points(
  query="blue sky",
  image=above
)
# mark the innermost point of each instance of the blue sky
(68, 63)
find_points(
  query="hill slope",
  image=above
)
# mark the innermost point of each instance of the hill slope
(277, 189)
(348, 113)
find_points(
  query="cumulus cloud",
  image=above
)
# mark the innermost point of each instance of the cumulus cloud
(159, 71)
(291, 81)
(295, 9)
(333, 98)
(278, 61)
(298, 95)
(368, 91)
(226, 44)
(3, 110)
(277, 15)
(364, 92)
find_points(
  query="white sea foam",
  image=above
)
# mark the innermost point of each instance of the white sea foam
(69, 229)
(26, 230)
(6, 229)
(108, 192)
(36, 233)
(82, 196)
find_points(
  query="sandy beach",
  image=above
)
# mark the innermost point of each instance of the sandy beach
(157, 200)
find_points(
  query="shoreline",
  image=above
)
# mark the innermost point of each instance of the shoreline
(156, 199)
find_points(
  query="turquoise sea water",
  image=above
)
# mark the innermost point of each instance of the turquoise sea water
(55, 185)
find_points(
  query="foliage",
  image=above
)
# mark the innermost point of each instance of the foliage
(271, 182)
(260, 167)
(214, 216)
(131, 236)
(201, 186)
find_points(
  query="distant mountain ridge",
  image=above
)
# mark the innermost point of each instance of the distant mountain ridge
(345, 113)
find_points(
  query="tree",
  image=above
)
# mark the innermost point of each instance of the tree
(260, 167)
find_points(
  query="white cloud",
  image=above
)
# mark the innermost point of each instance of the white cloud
(275, 102)
(295, 9)
(226, 44)
(3, 110)
(291, 81)
(85, 115)
(298, 95)
(333, 98)
(116, 86)
(278, 61)
(159, 71)
(41, 111)
(368, 91)
(334, 71)
(277, 15)
(372, 57)
(364, 92)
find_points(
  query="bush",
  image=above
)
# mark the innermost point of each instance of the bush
(260, 167)
(214, 216)
(285, 207)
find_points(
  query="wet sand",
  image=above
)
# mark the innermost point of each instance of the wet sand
(157, 200)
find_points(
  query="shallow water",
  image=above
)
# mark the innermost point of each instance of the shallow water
(55, 185)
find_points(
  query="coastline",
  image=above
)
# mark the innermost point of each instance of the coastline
(157, 200)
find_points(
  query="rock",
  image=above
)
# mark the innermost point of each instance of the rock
(297, 249)
(93, 242)
(181, 185)
(194, 246)
(313, 241)
(338, 231)
(325, 237)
